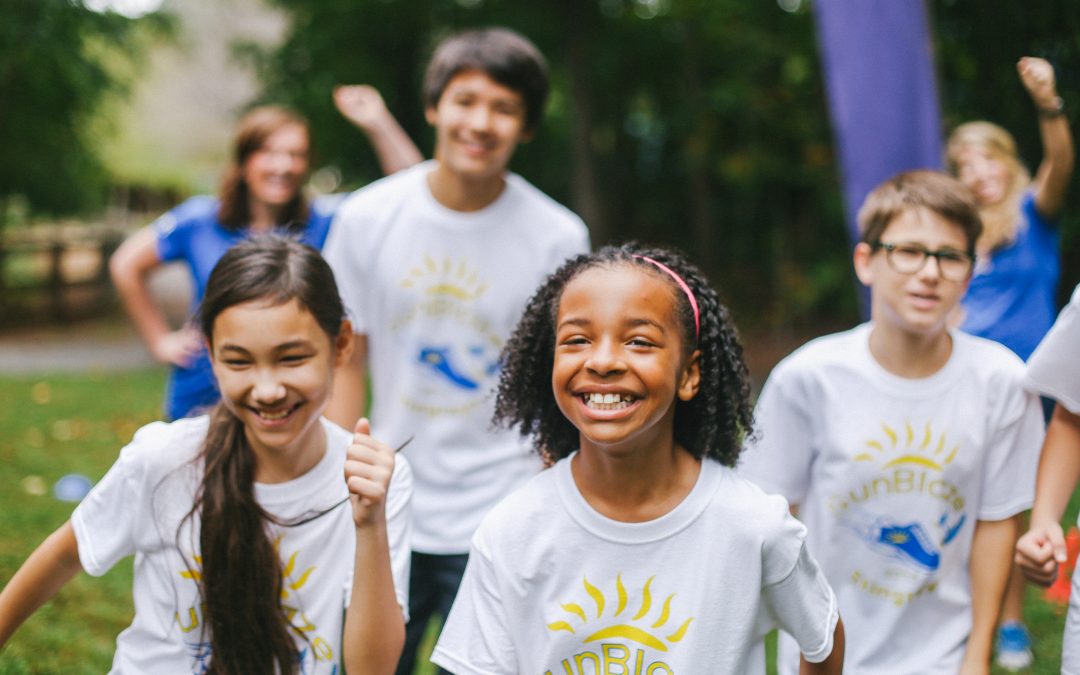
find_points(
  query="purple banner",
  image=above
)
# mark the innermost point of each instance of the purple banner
(879, 74)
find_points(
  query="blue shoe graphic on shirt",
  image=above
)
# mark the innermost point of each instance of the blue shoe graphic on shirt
(438, 358)
(910, 542)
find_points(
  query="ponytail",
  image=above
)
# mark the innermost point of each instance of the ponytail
(241, 577)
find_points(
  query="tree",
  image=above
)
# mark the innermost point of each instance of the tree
(57, 64)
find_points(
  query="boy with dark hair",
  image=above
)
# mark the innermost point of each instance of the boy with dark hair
(436, 264)
(906, 447)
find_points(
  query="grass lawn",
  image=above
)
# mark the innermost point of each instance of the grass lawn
(50, 426)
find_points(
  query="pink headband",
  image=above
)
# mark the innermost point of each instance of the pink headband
(686, 289)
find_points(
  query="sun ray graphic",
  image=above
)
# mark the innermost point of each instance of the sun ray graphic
(910, 449)
(447, 278)
(647, 636)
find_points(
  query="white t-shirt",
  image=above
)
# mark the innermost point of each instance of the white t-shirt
(438, 292)
(138, 505)
(1054, 371)
(890, 475)
(552, 586)
(1054, 367)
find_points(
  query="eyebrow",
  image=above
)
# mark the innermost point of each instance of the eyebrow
(285, 346)
(633, 323)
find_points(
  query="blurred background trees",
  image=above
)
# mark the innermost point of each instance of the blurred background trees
(698, 123)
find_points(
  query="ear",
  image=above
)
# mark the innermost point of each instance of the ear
(430, 115)
(526, 136)
(343, 345)
(690, 379)
(862, 259)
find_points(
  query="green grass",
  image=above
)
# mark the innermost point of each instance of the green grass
(50, 426)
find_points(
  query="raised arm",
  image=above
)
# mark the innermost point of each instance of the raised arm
(374, 627)
(989, 566)
(47, 569)
(1041, 550)
(1052, 178)
(129, 267)
(362, 105)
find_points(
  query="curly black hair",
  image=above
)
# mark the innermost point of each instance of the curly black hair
(713, 424)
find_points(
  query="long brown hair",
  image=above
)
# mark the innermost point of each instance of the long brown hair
(1001, 219)
(251, 133)
(241, 576)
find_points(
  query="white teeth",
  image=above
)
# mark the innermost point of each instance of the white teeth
(266, 415)
(600, 401)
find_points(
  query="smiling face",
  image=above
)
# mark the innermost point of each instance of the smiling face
(984, 173)
(275, 172)
(619, 364)
(478, 125)
(917, 303)
(274, 366)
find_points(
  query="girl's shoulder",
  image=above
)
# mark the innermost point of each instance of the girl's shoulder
(159, 448)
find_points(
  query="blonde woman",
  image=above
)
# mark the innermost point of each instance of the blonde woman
(1011, 298)
(1012, 295)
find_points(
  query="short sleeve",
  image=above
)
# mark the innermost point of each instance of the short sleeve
(399, 530)
(475, 639)
(105, 521)
(342, 252)
(1012, 456)
(1054, 368)
(780, 458)
(804, 606)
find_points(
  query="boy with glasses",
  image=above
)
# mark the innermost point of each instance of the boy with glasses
(905, 446)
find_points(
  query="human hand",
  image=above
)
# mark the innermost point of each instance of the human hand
(361, 104)
(1037, 75)
(1040, 551)
(369, 466)
(178, 347)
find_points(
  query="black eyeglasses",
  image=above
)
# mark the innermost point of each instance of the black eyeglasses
(953, 265)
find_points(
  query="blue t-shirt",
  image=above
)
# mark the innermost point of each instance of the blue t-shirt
(191, 233)
(1012, 297)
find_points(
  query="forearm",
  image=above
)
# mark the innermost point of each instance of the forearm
(1059, 468)
(374, 627)
(47, 569)
(834, 663)
(989, 566)
(1057, 165)
(129, 268)
(393, 147)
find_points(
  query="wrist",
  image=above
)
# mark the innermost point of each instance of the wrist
(1055, 107)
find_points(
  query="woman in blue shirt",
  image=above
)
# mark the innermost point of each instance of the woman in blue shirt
(260, 191)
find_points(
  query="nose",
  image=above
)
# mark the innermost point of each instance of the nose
(480, 118)
(267, 388)
(605, 358)
(931, 269)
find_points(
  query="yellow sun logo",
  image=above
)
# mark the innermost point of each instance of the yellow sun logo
(290, 583)
(447, 278)
(909, 446)
(652, 636)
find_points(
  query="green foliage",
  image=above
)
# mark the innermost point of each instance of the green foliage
(58, 62)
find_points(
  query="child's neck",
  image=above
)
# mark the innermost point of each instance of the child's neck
(281, 466)
(637, 486)
(908, 354)
(461, 194)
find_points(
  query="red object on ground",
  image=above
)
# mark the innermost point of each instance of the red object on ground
(1059, 590)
